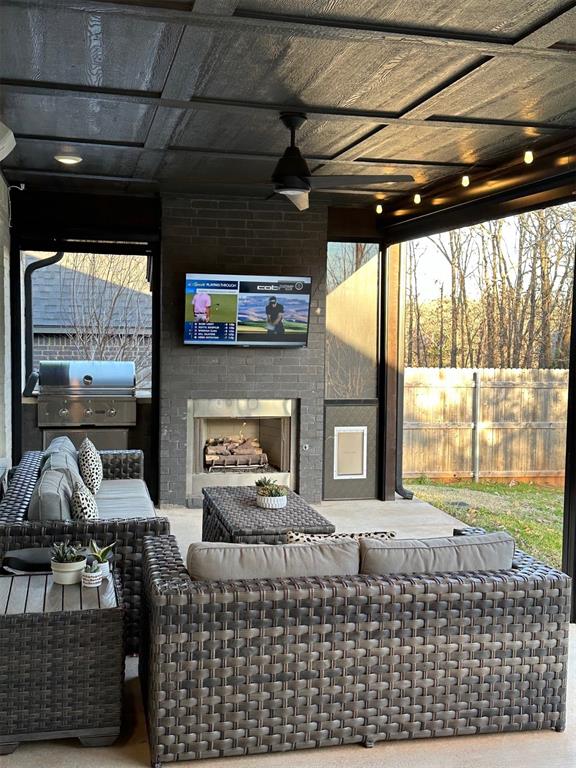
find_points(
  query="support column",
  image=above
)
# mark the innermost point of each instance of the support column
(5, 357)
(390, 308)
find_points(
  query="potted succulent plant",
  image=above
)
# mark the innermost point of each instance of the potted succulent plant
(102, 556)
(92, 575)
(270, 495)
(67, 563)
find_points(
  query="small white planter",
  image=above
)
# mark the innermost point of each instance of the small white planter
(68, 573)
(92, 579)
(271, 502)
(105, 569)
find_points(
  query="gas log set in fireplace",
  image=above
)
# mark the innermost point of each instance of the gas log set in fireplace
(235, 451)
(236, 441)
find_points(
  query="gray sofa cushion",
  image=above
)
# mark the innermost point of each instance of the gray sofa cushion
(62, 461)
(51, 497)
(485, 552)
(61, 444)
(123, 500)
(212, 560)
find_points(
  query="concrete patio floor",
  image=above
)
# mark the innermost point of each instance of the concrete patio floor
(409, 518)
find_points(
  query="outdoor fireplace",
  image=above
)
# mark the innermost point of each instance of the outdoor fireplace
(236, 441)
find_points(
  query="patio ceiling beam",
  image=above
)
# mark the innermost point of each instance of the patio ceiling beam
(311, 27)
(23, 173)
(15, 174)
(189, 59)
(148, 98)
(231, 155)
(543, 35)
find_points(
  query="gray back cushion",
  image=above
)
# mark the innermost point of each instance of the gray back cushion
(51, 497)
(61, 444)
(484, 552)
(217, 561)
(62, 461)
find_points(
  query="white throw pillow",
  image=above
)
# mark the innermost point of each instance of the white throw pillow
(90, 465)
(82, 504)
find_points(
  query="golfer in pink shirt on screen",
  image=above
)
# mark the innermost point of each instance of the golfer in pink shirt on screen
(202, 303)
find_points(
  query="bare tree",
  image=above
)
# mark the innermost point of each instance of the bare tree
(510, 298)
(108, 309)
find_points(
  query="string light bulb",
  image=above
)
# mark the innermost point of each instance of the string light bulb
(417, 198)
(379, 208)
(465, 180)
(528, 156)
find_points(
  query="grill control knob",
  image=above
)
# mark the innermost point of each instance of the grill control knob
(111, 412)
(88, 412)
(63, 412)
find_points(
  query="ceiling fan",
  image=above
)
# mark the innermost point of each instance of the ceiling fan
(293, 179)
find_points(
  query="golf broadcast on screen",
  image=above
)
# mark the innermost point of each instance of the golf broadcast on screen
(247, 310)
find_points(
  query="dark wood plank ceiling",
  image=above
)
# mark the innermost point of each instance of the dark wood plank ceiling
(175, 95)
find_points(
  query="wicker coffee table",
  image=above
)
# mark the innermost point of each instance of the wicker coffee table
(231, 514)
(61, 661)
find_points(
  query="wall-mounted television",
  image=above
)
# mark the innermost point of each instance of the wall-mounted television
(247, 311)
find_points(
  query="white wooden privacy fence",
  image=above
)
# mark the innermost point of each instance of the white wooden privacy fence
(486, 422)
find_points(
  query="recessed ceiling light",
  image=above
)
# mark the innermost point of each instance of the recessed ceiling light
(68, 159)
(465, 181)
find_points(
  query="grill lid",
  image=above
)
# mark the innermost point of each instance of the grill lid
(87, 376)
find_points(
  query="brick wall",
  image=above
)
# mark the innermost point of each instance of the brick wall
(229, 235)
(54, 346)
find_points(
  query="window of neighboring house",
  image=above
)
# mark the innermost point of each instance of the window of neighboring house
(352, 283)
(93, 306)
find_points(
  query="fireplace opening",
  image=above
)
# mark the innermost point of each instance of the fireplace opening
(246, 445)
(235, 442)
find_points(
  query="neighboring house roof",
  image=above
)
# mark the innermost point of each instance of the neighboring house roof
(59, 290)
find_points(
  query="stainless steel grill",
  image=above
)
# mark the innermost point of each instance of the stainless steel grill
(77, 393)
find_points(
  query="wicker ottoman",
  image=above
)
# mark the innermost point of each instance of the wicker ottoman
(61, 661)
(231, 514)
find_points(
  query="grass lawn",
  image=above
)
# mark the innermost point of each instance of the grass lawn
(532, 514)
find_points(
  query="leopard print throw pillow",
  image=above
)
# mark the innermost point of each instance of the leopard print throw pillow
(82, 504)
(295, 537)
(90, 465)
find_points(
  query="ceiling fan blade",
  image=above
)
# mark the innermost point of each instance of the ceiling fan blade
(301, 201)
(325, 182)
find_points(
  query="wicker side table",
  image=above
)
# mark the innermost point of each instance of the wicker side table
(231, 514)
(61, 661)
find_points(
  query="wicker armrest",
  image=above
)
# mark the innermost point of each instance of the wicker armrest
(122, 465)
(522, 561)
(164, 570)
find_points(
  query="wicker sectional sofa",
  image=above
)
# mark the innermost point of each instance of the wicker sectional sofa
(246, 667)
(17, 532)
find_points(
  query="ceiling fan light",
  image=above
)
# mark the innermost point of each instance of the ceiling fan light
(290, 191)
